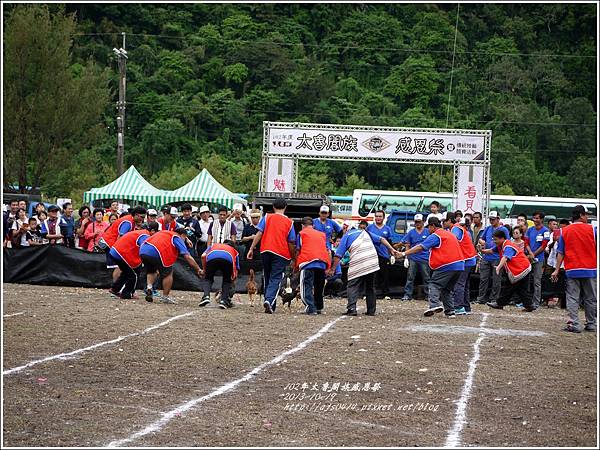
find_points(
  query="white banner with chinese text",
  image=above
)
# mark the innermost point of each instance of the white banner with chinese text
(280, 175)
(470, 189)
(356, 142)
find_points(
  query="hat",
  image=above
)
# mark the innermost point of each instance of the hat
(204, 209)
(324, 208)
(418, 217)
(493, 215)
(173, 211)
(53, 208)
(152, 212)
(255, 213)
(238, 207)
(194, 208)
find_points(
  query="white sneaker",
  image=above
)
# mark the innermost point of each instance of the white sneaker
(432, 311)
(387, 297)
(168, 300)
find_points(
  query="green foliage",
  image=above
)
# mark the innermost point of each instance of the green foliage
(201, 79)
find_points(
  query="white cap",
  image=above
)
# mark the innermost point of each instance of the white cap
(324, 208)
(493, 214)
(194, 208)
(418, 217)
(173, 211)
(204, 209)
(238, 207)
(152, 212)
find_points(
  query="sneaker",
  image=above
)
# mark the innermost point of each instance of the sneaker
(205, 300)
(319, 311)
(223, 304)
(494, 305)
(311, 313)
(149, 295)
(349, 313)
(229, 303)
(590, 328)
(268, 309)
(450, 315)
(571, 329)
(460, 311)
(405, 299)
(520, 305)
(114, 294)
(155, 293)
(387, 297)
(431, 311)
(168, 301)
(468, 312)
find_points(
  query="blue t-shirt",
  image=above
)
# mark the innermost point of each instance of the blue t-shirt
(414, 238)
(221, 254)
(348, 240)
(459, 232)
(509, 252)
(328, 228)
(536, 238)
(150, 250)
(124, 227)
(433, 240)
(384, 232)
(489, 241)
(577, 273)
(67, 226)
(313, 264)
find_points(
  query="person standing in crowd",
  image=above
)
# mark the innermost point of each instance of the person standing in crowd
(113, 209)
(416, 262)
(50, 227)
(159, 253)
(19, 227)
(362, 265)
(23, 206)
(517, 274)
(458, 215)
(223, 258)
(313, 260)
(33, 236)
(85, 217)
(538, 237)
(462, 296)
(517, 238)
(221, 230)
(277, 247)
(238, 221)
(326, 225)
(552, 247)
(94, 230)
(487, 266)
(112, 218)
(448, 220)
(435, 207)
(446, 262)
(383, 275)
(577, 249)
(477, 227)
(250, 231)
(168, 220)
(9, 218)
(191, 226)
(39, 207)
(205, 222)
(118, 228)
(151, 216)
(67, 225)
(126, 253)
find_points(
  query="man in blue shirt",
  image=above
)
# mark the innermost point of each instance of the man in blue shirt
(417, 262)
(489, 262)
(539, 237)
(326, 225)
(67, 225)
(380, 229)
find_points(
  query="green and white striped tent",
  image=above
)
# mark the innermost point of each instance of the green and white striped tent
(129, 186)
(204, 188)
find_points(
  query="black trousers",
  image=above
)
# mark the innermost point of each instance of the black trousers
(355, 290)
(520, 290)
(383, 276)
(127, 280)
(213, 267)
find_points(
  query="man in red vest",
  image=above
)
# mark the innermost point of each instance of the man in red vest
(222, 258)
(462, 301)
(159, 253)
(446, 262)
(518, 273)
(313, 260)
(277, 237)
(126, 252)
(577, 249)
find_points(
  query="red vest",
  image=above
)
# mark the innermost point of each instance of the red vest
(163, 242)
(466, 243)
(275, 235)
(314, 248)
(111, 234)
(580, 246)
(129, 249)
(224, 248)
(447, 253)
(169, 227)
(518, 263)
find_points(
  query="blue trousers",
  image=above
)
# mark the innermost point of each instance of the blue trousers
(273, 271)
(462, 298)
(413, 268)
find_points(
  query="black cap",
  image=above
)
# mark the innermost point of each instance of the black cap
(53, 208)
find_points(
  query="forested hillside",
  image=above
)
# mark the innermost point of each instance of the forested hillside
(201, 79)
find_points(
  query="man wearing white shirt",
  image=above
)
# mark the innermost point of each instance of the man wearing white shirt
(434, 207)
(204, 220)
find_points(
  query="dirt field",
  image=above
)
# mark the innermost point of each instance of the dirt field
(210, 377)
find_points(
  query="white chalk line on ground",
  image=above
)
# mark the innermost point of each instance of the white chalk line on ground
(95, 346)
(458, 329)
(13, 315)
(184, 407)
(454, 434)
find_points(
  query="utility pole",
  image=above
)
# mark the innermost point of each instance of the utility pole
(121, 54)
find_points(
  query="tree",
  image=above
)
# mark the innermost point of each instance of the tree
(49, 111)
